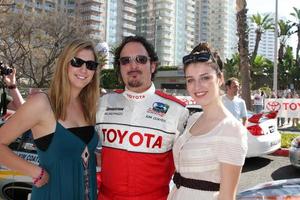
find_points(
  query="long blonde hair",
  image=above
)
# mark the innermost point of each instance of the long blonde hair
(59, 91)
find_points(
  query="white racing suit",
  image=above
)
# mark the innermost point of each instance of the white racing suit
(137, 131)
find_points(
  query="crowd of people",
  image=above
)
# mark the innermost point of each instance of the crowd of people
(146, 136)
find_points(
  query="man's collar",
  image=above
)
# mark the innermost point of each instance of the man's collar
(230, 97)
(133, 96)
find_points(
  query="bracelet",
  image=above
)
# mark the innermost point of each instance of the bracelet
(35, 180)
(11, 87)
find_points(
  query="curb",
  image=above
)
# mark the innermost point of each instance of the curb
(281, 152)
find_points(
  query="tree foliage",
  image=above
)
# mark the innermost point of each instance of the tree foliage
(109, 79)
(231, 67)
(6, 5)
(263, 23)
(262, 71)
(285, 32)
(296, 24)
(31, 43)
(288, 71)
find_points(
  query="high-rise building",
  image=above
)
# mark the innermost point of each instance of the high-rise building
(174, 27)
(185, 29)
(169, 25)
(93, 13)
(120, 22)
(111, 20)
(202, 20)
(266, 44)
(39, 6)
(146, 20)
(121, 19)
(216, 24)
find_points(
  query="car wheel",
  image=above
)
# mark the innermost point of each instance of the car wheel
(17, 190)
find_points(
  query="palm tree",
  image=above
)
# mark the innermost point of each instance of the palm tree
(262, 69)
(285, 31)
(263, 23)
(296, 14)
(287, 68)
(244, 64)
(231, 68)
(262, 65)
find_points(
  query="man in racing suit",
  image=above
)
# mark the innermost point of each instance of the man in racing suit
(137, 127)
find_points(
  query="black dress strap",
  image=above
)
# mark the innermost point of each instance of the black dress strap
(43, 142)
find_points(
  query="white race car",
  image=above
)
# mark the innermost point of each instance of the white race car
(14, 185)
(263, 135)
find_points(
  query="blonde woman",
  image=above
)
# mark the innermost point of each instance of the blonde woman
(210, 153)
(62, 124)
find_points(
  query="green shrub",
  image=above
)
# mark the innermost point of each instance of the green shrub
(286, 139)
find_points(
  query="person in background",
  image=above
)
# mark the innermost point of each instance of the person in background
(137, 127)
(11, 85)
(13, 99)
(232, 102)
(16, 98)
(286, 91)
(295, 119)
(280, 120)
(274, 95)
(289, 95)
(210, 153)
(62, 123)
(258, 101)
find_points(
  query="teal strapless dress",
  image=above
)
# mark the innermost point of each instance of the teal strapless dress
(71, 165)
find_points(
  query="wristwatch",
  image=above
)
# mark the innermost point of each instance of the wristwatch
(11, 87)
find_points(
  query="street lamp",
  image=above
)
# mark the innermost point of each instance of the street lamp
(275, 48)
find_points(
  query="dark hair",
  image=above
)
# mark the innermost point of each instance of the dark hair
(202, 53)
(149, 48)
(230, 80)
(219, 60)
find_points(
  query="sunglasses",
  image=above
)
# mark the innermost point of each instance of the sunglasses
(139, 59)
(199, 57)
(77, 62)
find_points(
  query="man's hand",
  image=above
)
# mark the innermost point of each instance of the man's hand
(11, 78)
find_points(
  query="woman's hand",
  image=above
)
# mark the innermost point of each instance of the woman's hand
(42, 179)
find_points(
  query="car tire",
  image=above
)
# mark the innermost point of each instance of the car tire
(16, 190)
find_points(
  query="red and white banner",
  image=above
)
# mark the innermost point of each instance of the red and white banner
(287, 108)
